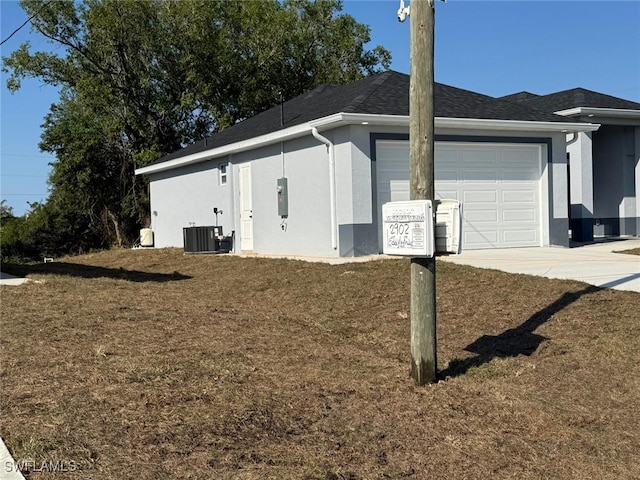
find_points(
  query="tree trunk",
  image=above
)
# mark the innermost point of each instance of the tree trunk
(116, 226)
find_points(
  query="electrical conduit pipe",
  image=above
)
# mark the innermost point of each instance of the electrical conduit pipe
(332, 184)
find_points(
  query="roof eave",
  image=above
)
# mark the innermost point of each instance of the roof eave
(340, 119)
(599, 112)
(237, 147)
(514, 125)
(465, 123)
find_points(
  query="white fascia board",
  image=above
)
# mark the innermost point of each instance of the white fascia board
(373, 119)
(599, 112)
(340, 119)
(237, 147)
(515, 125)
(470, 123)
(331, 121)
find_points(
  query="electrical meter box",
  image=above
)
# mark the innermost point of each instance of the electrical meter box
(283, 197)
(408, 228)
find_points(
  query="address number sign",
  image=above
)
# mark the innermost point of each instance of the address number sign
(407, 228)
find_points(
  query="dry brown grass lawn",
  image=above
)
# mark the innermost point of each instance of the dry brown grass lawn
(633, 251)
(156, 365)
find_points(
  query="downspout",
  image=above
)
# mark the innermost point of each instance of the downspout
(573, 140)
(332, 184)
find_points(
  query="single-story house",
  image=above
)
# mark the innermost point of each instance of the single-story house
(309, 177)
(603, 165)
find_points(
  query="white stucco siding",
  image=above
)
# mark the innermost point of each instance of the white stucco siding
(307, 228)
(557, 187)
(187, 196)
(345, 206)
(361, 175)
(580, 153)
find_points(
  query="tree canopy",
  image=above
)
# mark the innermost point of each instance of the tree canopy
(141, 79)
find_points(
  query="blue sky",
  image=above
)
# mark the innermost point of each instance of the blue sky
(491, 47)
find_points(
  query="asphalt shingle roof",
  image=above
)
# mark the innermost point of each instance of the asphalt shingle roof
(573, 98)
(384, 93)
(519, 97)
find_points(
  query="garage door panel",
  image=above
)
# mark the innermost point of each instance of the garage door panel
(518, 156)
(480, 196)
(478, 157)
(447, 194)
(479, 215)
(444, 158)
(519, 196)
(399, 190)
(498, 184)
(469, 175)
(446, 175)
(519, 237)
(390, 171)
(518, 176)
(518, 215)
(475, 240)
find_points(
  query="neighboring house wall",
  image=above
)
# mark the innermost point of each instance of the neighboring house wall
(615, 161)
(186, 196)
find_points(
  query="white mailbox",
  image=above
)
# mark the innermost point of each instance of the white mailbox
(448, 226)
(407, 228)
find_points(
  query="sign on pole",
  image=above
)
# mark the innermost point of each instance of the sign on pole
(407, 228)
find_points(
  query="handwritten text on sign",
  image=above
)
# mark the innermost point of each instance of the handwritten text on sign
(408, 228)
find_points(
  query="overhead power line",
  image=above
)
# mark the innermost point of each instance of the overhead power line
(26, 21)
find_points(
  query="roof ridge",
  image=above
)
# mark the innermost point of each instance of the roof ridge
(582, 90)
(581, 97)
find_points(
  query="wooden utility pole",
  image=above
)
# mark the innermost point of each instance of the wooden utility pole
(421, 132)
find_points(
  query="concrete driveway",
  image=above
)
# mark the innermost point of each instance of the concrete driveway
(595, 264)
(6, 279)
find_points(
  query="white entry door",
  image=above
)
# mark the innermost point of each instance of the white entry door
(498, 185)
(246, 208)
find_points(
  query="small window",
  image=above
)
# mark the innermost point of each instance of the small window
(223, 174)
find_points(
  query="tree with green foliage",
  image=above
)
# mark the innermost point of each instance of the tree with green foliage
(140, 79)
(6, 211)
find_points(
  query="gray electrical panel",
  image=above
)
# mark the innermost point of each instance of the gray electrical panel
(283, 197)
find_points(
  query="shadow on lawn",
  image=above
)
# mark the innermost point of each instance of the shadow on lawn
(513, 342)
(90, 271)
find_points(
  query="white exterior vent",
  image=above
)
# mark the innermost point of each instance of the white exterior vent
(448, 226)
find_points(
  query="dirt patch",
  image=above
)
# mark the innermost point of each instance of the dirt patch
(633, 251)
(153, 364)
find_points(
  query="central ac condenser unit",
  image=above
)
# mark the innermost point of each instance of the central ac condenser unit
(202, 239)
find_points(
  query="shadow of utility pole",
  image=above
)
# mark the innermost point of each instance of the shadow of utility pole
(513, 342)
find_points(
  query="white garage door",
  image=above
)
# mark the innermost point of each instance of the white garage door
(498, 185)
